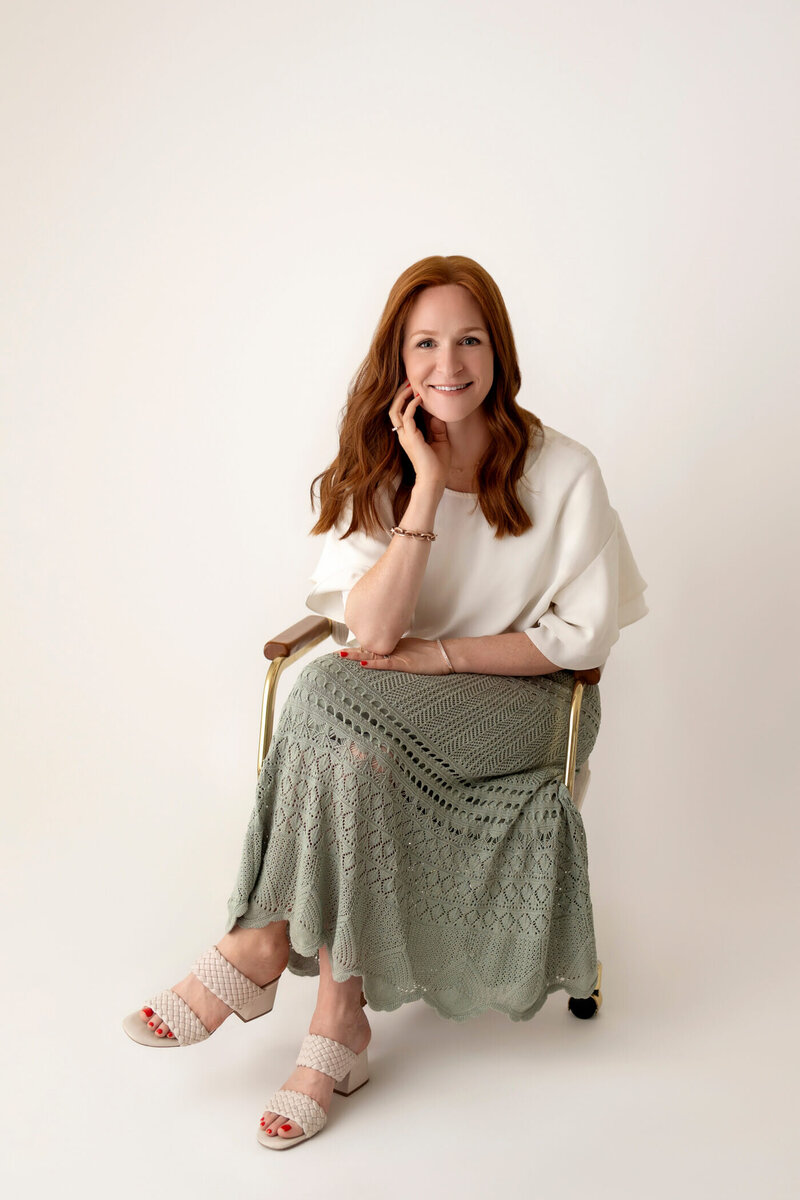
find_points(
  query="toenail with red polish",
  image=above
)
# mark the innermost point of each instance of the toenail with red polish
(151, 1024)
(170, 1033)
(285, 1127)
(148, 1012)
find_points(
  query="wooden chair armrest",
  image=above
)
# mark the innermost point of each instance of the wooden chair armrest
(297, 636)
(591, 675)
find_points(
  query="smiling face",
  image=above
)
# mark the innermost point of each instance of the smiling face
(446, 345)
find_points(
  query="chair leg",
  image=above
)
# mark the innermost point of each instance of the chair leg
(586, 1007)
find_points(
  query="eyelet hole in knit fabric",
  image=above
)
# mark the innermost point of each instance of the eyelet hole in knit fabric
(417, 826)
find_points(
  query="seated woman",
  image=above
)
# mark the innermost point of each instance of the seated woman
(411, 836)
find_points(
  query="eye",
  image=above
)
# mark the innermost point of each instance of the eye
(469, 338)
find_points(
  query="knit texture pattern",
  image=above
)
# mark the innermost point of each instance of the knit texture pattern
(323, 1054)
(417, 826)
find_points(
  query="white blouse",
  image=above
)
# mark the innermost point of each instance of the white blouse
(570, 582)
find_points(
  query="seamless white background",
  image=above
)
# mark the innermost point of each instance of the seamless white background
(203, 206)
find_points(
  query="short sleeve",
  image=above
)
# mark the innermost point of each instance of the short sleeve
(596, 588)
(341, 564)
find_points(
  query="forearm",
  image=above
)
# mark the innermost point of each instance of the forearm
(380, 606)
(498, 654)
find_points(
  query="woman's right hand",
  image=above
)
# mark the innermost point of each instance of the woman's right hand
(430, 459)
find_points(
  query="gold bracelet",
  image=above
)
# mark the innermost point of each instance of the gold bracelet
(428, 537)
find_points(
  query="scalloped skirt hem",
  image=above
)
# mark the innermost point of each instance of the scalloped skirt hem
(384, 996)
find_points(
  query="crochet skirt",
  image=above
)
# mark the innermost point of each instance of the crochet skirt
(417, 826)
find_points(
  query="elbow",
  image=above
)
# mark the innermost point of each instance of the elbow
(369, 634)
(375, 640)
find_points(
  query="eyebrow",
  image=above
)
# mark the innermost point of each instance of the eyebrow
(468, 329)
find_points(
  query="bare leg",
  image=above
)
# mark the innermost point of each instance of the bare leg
(338, 1015)
(260, 954)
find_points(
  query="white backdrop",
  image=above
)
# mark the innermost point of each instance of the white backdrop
(204, 205)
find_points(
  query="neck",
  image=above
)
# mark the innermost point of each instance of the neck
(468, 439)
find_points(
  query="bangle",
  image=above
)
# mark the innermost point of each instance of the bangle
(416, 533)
(446, 659)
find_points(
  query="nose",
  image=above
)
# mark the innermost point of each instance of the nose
(448, 362)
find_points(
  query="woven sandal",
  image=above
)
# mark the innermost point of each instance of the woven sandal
(246, 998)
(350, 1070)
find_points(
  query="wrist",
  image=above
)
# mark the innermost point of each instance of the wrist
(446, 657)
(427, 487)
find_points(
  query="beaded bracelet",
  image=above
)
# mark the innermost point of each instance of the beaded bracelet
(428, 537)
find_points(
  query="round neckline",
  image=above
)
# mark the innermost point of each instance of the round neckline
(534, 451)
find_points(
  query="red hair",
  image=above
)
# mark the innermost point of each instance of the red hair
(370, 454)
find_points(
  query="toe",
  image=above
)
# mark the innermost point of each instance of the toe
(162, 1030)
(269, 1123)
(289, 1129)
(146, 1014)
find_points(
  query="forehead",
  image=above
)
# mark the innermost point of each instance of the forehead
(445, 304)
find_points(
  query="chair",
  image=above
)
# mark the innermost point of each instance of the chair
(298, 639)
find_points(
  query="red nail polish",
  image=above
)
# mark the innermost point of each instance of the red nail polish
(363, 663)
(170, 1033)
(285, 1127)
(148, 1012)
(343, 654)
(151, 1024)
(269, 1131)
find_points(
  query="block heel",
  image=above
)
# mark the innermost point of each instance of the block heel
(356, 1077)
(259, 1006)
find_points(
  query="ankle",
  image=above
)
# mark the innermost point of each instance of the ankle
(268, 944)
(334, 1002)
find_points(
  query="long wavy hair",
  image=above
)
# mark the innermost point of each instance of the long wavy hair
(370, 455)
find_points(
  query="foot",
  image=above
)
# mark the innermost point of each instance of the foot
(348, 1025)
(260, 954)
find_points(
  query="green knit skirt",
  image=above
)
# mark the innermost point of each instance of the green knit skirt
(417, 826)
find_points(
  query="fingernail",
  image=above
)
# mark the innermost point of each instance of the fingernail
(363, 663)
(342, 654)
(285, 1127)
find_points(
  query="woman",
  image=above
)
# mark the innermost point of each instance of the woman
(410, 834)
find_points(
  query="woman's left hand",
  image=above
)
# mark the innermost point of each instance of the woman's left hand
(416, 655)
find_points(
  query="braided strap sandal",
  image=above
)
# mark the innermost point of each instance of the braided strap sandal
(246, 998)
(348, 1069)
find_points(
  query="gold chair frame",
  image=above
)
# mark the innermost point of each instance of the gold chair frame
(298, 639)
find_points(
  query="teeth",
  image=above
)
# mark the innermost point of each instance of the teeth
(461, 387)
